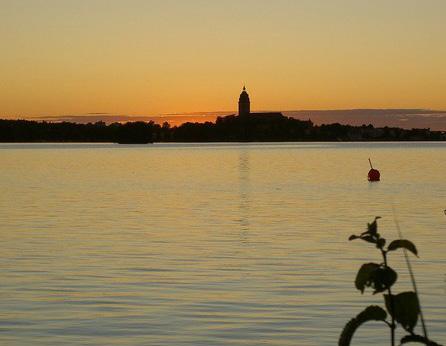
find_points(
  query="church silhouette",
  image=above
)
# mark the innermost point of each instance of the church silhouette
(244, 107)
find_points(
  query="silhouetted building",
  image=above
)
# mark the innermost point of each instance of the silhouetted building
(244, 104)
(244, 107)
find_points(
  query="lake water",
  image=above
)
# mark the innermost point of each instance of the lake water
(210, 244)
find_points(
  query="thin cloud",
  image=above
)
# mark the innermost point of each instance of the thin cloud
(405, 118)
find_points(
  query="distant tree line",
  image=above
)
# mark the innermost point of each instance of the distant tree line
(274, 128)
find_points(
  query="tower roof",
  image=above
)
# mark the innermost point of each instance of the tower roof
(244, 97)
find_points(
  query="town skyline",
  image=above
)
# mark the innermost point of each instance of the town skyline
(402, 118)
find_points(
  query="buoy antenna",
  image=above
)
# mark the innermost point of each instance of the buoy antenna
(370, 161)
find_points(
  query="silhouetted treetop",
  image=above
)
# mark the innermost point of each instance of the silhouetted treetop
(257, 127)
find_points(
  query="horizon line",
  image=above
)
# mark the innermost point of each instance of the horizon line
(229, 112)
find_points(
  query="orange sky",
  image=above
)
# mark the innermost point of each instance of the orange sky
(147, 57)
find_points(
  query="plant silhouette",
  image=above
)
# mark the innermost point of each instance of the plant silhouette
(404, 308)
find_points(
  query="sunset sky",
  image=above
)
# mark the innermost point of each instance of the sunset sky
(144, 57)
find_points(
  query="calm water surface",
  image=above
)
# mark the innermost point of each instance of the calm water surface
(221, 244)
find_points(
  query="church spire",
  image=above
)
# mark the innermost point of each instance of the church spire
(244, 104)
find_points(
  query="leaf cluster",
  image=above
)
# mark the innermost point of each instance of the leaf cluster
(372, 236)
(403, 308)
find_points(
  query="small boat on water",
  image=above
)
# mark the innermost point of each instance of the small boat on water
(133, 142)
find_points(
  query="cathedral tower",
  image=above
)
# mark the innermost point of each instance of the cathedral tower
(244, 104)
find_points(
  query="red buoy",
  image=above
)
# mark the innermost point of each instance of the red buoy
(374, 174)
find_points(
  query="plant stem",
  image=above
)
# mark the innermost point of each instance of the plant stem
(389, 290)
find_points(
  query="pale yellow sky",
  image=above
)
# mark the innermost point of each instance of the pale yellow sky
(171, 56)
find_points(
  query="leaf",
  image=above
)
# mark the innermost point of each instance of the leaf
(383, 278)
(419, 339)
(369, 239)
(371, 313)
(376, 276)
(363, 278)
(403, 244)
(405, 309)
(380, 243)
(372, 228)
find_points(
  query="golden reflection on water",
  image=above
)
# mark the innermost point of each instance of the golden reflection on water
(208, 244)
